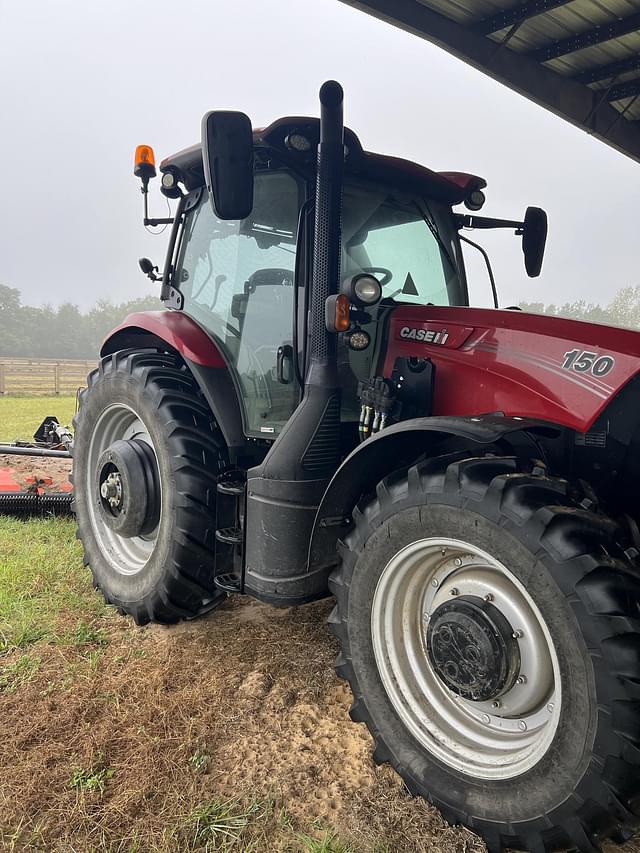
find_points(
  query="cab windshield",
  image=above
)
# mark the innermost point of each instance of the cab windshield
(408, 243)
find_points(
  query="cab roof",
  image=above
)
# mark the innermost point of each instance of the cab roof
(448, 187)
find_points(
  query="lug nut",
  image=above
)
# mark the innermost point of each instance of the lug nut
(496, 704)
(434, 582)
(454, 591)
(457, 562)
(522, 726)
(517, 635)
(521, 679)
(486, 719)
(550, 707)
(488, 597)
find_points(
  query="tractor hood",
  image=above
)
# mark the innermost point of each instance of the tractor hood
(515, 363)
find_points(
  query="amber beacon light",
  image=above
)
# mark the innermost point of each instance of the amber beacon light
(144, 163)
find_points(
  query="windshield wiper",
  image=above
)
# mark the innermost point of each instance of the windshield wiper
(434, 230)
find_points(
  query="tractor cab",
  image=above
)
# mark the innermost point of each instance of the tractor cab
(247, 281)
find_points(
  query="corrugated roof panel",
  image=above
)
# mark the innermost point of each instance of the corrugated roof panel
(601, 54)
(541, 51)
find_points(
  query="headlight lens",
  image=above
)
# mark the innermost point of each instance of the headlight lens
(367, 289)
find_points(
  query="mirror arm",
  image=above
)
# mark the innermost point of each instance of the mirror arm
(169, 220)
(465, 220)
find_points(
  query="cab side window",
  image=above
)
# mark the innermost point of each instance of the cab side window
(237, 279)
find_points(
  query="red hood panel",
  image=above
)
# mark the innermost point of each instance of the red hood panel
(526, 365)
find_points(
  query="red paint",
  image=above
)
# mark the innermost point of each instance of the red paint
(8, 483)
(466, 182)
(177, 329)
(511, 362)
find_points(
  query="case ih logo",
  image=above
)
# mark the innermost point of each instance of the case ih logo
(427, 336)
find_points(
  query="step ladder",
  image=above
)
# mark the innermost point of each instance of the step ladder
(228, 573)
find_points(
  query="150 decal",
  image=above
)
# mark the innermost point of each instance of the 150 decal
(584, 361)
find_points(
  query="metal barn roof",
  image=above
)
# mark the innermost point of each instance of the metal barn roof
(578, 58)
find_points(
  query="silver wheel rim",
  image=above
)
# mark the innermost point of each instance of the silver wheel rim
(480, 739)
(127, 556)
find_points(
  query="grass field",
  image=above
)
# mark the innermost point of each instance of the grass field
(20, 417)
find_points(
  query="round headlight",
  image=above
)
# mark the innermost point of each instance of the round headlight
(367, 289)
(168, 180)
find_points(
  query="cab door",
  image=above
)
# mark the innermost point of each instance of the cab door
(238, 281)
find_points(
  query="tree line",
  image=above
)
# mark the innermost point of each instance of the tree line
(623, 310)
(62, 332)
(67, 332)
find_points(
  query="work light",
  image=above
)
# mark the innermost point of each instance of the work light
(362, 289)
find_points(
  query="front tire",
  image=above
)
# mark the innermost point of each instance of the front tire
(532, 737)
(146, 457)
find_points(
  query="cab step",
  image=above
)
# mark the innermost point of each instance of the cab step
(228, 574)
(229, 583)
(229, 535)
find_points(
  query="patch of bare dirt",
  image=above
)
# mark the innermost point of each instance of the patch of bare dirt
(241, 704)
(251, 689)
(51, 474)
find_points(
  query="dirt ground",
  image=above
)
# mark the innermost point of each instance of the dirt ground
(42, 468)
(250, 689)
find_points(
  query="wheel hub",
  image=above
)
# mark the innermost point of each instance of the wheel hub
(473, 649)
(111, 490)
(128, 489)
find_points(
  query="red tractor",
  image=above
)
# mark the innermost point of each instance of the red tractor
(321, 412)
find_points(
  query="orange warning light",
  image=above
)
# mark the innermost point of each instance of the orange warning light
(342, 319)
(144, 162)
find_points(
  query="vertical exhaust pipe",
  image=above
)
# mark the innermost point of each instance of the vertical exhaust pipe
(308, 447)
(283, 493)
(327, 232)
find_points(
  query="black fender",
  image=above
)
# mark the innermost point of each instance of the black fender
(399, 446)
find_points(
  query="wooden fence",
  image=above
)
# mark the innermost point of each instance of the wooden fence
(34, 376)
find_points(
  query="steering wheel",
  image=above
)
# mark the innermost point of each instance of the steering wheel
(387, 275)
(269, 277)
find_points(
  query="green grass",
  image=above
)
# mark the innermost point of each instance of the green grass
(20, 417)
(92, 780)
(41, 578)
(212, 824)
(20, 672)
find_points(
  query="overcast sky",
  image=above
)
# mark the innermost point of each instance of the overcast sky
(83, 83)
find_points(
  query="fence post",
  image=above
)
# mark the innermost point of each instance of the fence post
(2, 384)
(56, 377)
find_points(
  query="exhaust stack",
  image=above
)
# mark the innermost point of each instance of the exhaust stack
(284, 492)
(328, 224)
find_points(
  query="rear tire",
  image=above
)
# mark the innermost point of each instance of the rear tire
(164, 574)
(584, 784)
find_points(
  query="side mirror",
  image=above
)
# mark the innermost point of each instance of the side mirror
(534, 238)
(227, 157)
